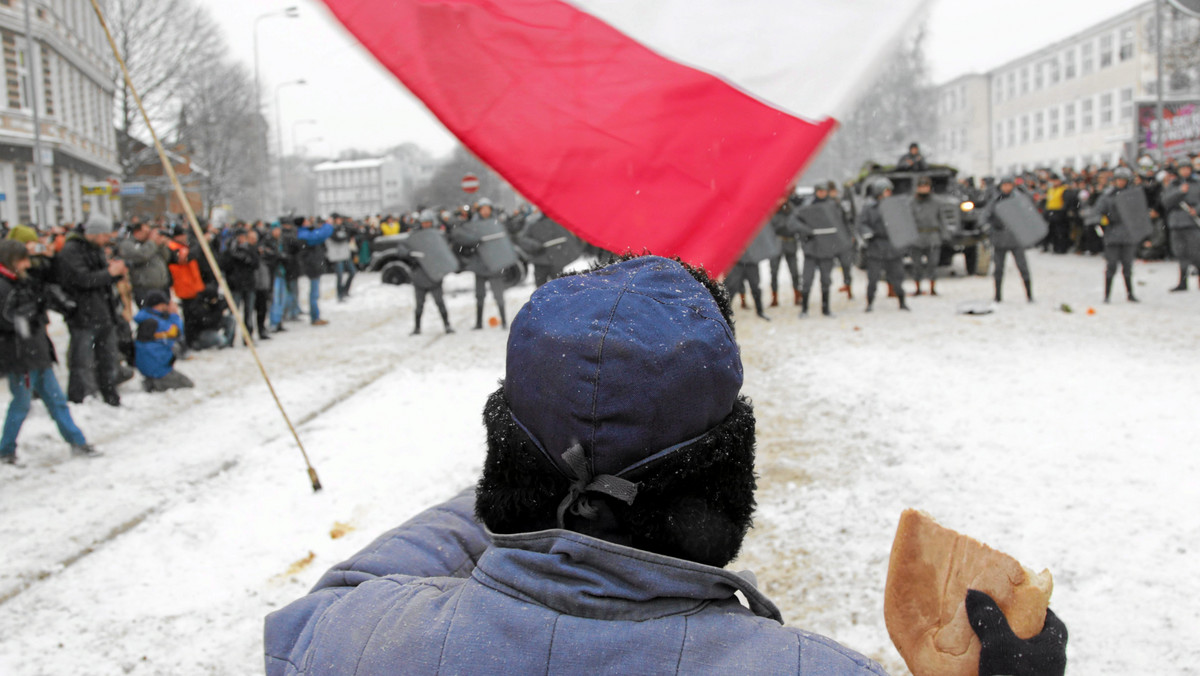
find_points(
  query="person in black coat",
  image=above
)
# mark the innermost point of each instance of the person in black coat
(240, 265)
(87, 277)
(27, 355)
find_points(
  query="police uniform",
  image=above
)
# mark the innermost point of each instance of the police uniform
(1004, 242)
(1182, 203)
(1119, 244)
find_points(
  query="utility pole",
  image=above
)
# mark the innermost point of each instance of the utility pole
(1158, 89)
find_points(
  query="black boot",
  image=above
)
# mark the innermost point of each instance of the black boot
(758, 304)
(900, 295)
(1029, 290)
(478, 317)
(1129, 288)
(825, 303)
(503, 318)
(803, 305)
(446, 320)
(416, 325)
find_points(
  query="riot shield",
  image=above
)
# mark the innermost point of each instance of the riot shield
(896, 212)
(764, 245)
(1135, 212)
(495, 249)
(429, 248)
(824, 224)
(560, 246)
(1022, 219)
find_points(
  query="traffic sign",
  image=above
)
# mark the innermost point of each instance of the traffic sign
(470, 183)
(138, 188)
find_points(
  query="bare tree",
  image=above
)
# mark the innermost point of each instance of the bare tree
(1181, 50)
(445, 187)
(897, 109)
(221, 128)
(163, 42)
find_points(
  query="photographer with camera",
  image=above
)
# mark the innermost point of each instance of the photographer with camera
(27, 355)
(87, 276)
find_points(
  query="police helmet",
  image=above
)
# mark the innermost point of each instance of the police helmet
(1007, 179)
(427, 216)
(483, 202)
(879, 186)
(1123, 172)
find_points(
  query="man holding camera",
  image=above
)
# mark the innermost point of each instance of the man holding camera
(87, 276)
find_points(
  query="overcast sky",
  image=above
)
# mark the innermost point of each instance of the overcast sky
(355, 103)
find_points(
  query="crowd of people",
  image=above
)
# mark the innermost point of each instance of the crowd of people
(138, 297)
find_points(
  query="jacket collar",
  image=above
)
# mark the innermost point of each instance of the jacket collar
(7, 274)
(583, 576)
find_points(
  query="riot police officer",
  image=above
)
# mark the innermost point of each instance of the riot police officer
(423, 283)
(883, 259)
(468, 237)
(788, 250)
(1005, 242)
(1182, 202)
(932, 228)
(1119, 244)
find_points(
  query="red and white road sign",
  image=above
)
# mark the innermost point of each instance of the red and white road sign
(470, 183)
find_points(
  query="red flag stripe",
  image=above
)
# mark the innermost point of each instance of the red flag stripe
(626, 148)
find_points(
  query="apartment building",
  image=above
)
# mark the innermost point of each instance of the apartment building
(1071, 103)
(73, 69)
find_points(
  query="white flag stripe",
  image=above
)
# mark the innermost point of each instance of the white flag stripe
(806, 57)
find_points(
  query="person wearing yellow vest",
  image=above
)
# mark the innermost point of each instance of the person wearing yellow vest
(1057, 198)
(391, 226)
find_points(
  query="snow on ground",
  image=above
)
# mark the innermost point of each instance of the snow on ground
(1063, 439)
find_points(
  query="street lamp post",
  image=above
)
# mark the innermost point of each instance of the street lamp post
(279, 127)
(290, 13)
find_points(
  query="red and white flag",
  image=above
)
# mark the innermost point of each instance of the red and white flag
(664, 125)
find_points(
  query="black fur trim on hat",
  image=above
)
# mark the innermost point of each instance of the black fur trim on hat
(695, 503)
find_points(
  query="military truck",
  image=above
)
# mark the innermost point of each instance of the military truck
(966, 232)
(395, 268)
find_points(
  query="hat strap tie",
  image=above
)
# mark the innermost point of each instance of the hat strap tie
(576, 500)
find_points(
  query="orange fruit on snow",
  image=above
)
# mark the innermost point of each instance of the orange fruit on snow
(493, 321)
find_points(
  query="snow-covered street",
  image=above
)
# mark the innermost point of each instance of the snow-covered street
(1068, 440)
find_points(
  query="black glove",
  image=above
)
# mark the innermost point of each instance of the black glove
(1004, 653)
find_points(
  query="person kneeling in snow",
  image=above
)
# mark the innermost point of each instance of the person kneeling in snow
(618, 482)
(158, 329)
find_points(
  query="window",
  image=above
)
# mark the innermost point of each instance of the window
(998, 142)
(1025, 80)
(1039, 77)
(1127, 43)
(1012, 85)
(1106, 109)
(1012, 133)
(1052, 69)
(1106, 50)
(1039, 126)
(997, 90)
(1069, 64)
(1024, 129)
(962, 140)
(1052, 117)
(1127, 104)
(1085, 113)
(1086, 58)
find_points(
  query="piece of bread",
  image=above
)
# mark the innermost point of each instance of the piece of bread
(924, 605)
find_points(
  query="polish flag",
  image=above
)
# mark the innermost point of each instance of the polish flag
(672, 126)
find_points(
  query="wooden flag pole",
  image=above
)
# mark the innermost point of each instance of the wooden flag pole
(208, 254)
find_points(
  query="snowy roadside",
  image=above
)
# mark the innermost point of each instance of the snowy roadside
(1063, 439)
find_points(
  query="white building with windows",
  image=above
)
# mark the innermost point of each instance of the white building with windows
(1070, 103)
(74, 72)
(964, 121)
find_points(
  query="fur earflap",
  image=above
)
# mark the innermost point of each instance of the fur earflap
(695, 503)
